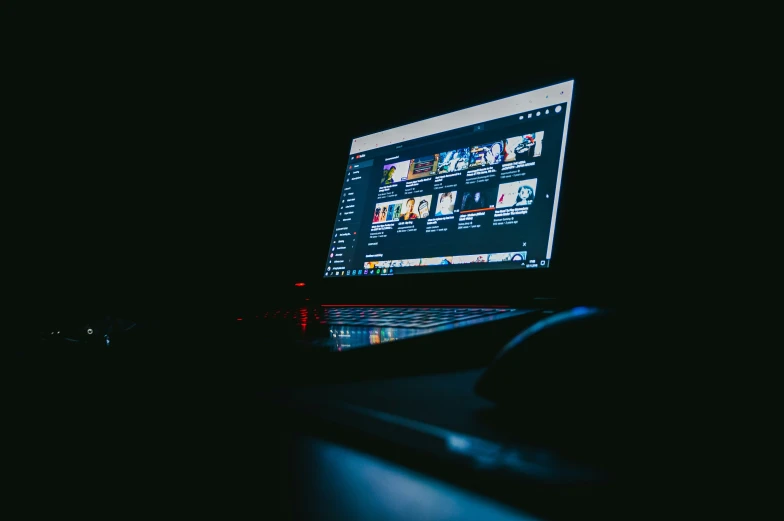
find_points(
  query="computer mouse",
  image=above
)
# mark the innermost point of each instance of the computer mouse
(571, 367)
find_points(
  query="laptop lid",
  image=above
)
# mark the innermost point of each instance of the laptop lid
(435, 210)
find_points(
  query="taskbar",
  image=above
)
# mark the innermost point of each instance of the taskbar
(441, 268)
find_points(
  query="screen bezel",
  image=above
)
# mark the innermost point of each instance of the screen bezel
(467, 287)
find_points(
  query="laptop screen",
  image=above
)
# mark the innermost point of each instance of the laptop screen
(471, 190)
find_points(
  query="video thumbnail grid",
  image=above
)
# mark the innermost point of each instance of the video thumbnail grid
(447, 260)
(516, 148)
(507, 195)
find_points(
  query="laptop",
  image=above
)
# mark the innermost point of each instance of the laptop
(442, 225)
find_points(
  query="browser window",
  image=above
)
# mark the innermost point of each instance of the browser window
(475, 189)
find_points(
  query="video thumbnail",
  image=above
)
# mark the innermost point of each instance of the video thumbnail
(454, 160)
(445, 203)
(517, 193)
(489, 154)
(469, 259)
(395, 172)
(386, 211)
(523, 147)
(436, 261)
(512, 256)
(377, 264)
(476, 200)
(423, 167)
(415, 207)
(404, 263)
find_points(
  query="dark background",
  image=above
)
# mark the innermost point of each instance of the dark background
(160, 152)
(156, 147)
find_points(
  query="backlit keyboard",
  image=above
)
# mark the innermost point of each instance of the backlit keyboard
(406, 317)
